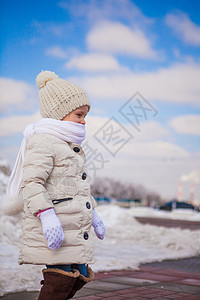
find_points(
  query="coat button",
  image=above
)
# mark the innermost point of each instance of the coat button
(76, 149)
(86, 236)
(84, 176)
(88, 205)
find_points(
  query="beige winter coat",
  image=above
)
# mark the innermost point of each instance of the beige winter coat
(53, 170)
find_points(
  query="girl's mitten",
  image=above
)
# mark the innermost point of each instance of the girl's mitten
(98, 225)
(52, 228)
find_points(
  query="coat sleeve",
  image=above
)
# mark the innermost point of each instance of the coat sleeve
(38, 164)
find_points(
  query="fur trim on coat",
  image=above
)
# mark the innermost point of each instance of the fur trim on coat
(13, 205)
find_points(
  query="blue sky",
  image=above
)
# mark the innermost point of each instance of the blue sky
(112, 49)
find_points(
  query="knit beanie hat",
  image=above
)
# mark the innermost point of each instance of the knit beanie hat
(58, 97)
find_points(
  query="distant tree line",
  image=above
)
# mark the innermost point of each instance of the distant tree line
(107, 187)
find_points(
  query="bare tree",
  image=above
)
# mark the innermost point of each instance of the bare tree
(107, 187)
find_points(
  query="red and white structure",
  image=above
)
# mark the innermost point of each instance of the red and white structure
(180, 191)
(188, 190)
(192, 188)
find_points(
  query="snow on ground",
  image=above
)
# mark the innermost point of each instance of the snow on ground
(126, 245)
(129, 243)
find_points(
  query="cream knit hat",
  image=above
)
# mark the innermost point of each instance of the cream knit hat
(58, 97)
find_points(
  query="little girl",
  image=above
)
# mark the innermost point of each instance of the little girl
(50, 172)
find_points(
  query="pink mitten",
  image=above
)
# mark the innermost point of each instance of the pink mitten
(98, 225)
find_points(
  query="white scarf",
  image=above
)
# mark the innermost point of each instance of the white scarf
(65, 130)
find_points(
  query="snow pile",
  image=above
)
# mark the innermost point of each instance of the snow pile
(4, 175)
(128, 243)
(13, 276)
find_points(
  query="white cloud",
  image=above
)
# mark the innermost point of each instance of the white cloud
(56, 51)
(93, 10)
(93, 62)
(184, 28)
(151, 131)
(147, 159)
(16, 94)
(192, 176)
(177, 83)
(149, 142)
(159, 149)
(188, 124)
(114, 37)
(16, 124)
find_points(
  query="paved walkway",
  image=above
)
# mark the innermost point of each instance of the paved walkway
(178, 279)
(192, 225)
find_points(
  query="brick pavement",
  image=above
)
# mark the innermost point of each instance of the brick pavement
(164, 280)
